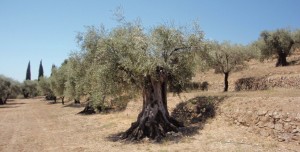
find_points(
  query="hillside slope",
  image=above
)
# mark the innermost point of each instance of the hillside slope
(265, 120)
(257, 69)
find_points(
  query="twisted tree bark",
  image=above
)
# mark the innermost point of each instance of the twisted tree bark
(154, 120)
(281, 61)
(226, 81)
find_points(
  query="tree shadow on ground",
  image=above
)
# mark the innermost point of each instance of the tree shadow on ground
(194, 113)
(18, 103)
(75, 105)
(11, 104)
(8, 107)
(53, 102)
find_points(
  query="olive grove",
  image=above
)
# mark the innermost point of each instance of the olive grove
(129, 60)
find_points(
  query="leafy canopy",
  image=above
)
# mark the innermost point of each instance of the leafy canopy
(275, 42)
(226, 57)
(58, 79)
(44, 86)
(29, 88)
(114, 62)
(9, 87)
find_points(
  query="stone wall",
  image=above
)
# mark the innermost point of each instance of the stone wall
(284, 81)
(278, 123)
(263, 83)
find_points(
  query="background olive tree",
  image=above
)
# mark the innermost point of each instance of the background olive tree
(75, 76)
(281, 42)
(44, 86)
(226, 57)
(9, 88)
(29, 88)
(58, 80)
(94, 86)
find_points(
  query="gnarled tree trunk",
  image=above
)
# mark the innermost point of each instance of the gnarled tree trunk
(25, 93)
(7, 96)
(154, 120)
(281, 61)
(226, 74)
(3, 100)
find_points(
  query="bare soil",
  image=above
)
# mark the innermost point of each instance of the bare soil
(35, 125)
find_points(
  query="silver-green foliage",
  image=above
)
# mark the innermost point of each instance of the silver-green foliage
(275, 42)
(75, 76)
(58, 79)
(30, 88)
(44, 87)
(9, 88)
(115, 62)
(226, 57)
(296, 38)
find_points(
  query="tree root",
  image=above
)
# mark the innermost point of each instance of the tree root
(154, 129)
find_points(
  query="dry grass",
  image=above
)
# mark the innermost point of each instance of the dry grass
(33, 125)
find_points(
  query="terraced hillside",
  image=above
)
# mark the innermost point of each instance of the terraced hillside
(262, 120)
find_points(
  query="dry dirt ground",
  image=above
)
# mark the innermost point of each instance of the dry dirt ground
(34, 125)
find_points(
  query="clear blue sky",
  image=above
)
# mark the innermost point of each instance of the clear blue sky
(46, 29)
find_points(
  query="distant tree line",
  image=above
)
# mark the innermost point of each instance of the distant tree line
(10, 89)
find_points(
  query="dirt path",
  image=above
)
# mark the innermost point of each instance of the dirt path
(25, 126)
(33, 125)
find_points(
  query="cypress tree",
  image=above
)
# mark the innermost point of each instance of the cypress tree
(28, 72)
(41, 71)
